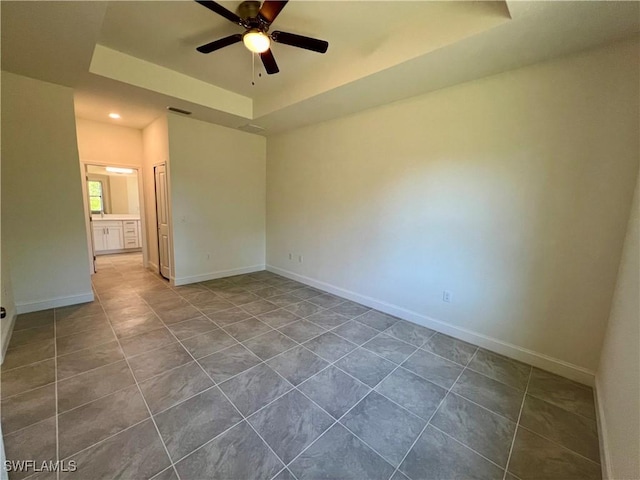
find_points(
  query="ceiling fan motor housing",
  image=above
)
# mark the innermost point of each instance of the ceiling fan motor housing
(248, 9)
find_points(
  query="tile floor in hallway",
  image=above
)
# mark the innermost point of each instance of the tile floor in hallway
(259, 377)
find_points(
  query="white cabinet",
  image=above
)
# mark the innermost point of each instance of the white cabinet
(108, 235)
(114, 237)
(99, 243)
(131, 233)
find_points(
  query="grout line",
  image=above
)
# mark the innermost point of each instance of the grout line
(332, 364)
(55, 371)
(31, 389)
(279, 472)
(421, 347)
(95, 399)
(470, 368)
(4, 372)
(515, 432)
(26, 330)
(221, 391)
(84, 449)
(140, 392)
(483, 407)
(468, 447)
(338, 421)
(275, 399)
(244, 419)
(91, 369)
(431, 417)
(562, 408)
(156, 475)
(252, 427)
(11, 433)
(210, 440)
(294, 386)
(159, 412)
(555, 442)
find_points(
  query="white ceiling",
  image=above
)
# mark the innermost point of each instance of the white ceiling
(361, 35)
(380, 51)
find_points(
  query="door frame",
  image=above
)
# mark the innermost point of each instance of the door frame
(87, 212)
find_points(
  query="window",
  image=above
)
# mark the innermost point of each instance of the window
(96, 199)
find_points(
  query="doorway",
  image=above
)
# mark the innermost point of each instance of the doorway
(114, 208)
(162, 219)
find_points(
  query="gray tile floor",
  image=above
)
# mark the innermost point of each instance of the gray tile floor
(259, 377)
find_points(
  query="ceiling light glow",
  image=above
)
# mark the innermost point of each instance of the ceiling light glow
(256, 41)
(114, 115)
(119, 170)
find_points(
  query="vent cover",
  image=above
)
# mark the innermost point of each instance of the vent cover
(251, 128)
(178, 110)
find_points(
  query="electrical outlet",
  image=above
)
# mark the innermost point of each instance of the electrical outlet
(446, 296)
(291, 256)
(208, 256)
(300, 259)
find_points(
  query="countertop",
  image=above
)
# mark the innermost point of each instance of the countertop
(115, 216)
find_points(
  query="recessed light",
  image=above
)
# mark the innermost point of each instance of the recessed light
(114, 115)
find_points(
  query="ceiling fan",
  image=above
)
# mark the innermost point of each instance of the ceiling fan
(256, 20)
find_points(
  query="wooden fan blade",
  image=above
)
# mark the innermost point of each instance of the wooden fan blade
(299, 41)
(218, 44)
(269, 62)
(220, 10)
(270, 10)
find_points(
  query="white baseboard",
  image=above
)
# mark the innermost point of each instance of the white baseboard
(601, 422)
(54, 303)
(7, 338)
(219, 274)
(540, 360)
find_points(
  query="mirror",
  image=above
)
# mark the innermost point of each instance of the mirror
(112, 192)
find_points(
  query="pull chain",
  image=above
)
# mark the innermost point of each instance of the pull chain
(253, 68)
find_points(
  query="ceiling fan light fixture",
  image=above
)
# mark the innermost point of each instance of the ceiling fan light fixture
(119, 170)
(256, 41)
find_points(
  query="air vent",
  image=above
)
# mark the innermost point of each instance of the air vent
(178, 110)
(251, 128)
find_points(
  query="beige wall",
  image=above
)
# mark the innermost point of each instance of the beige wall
(618, 379)
(43, 231)
(6, 298)
(105, 143)
(512, 192)
(217, 178)
(155, 139)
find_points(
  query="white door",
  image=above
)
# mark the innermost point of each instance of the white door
(162, 215)
(115, 238)
(99, 243)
